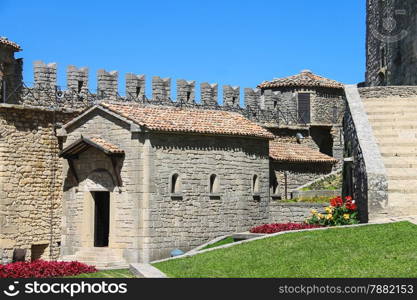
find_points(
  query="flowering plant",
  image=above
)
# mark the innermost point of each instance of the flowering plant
(340, 212)
(44, 269)
(277, 227)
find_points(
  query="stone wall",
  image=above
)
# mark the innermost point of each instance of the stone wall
(193, 215)
(364, 175)
(30, 181)
(391, 56)
(388, 91)
(326, 105)
(282, 212)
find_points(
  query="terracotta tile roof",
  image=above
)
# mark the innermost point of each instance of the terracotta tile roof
(305, 79)
(175, 119)
(5, 41)
(84, 143)
(111, 148)
(290, 152)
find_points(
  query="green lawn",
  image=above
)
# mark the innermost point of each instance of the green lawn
(224, 241)
(388, 250)
(122, 273)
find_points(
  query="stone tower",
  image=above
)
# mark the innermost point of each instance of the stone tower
(10, 71)
(391, 42)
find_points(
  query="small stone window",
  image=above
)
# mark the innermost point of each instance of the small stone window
(274, 185)
(138, 90)
(175, 184)
(255, 184)
(214, 184)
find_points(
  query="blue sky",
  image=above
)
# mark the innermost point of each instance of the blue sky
(234, 42)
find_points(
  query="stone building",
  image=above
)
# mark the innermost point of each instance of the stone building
(158, 178)
(293, 165)
(391, 42)
(10, 70)
(308, 102)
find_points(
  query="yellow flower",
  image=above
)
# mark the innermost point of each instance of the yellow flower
(329, 217)
(320, 216)
(328, 209)
(314, 212)
(346, 216)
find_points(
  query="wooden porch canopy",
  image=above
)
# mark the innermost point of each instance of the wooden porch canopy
(72, 151)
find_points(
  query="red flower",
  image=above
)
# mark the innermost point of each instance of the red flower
(44, 269)
(278, 227)
(336, 202)
(351, 206)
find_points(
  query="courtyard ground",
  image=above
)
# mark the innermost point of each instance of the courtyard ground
(384, 250)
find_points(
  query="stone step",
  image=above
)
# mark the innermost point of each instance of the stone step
(389, 112)
(393, 126)
(403, 143)
(402, 186)
(398, 102)
(403, 200)
(401, 163)
(402, 171)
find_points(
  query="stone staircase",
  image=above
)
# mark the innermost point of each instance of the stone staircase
(394, 125)
(100, 257)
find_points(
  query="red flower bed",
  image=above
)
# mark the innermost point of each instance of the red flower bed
(44, 269)
(278, 227)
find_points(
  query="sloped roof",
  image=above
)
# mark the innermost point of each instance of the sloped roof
(189, 120)
(305, 79)
(5, 41)
(291, 152)
(84, 143)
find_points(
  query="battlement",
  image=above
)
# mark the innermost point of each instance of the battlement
(77, 87)
(269, 107)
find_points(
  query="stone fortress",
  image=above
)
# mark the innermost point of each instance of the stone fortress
(110, 180)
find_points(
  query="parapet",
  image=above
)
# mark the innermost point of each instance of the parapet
(107, 84)
(135, 86)
(209, 93)
(77, 82)
(45, 74)
(186, 91)
(161, 89)
(231, 96)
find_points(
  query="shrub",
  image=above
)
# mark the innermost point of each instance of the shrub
(340, 212)
(44, 269)
(278, 227)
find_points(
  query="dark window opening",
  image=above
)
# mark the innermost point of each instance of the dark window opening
(101, 218)
(80, 85)
(214, 184)
(233, 100)
(304, 107)
(383, 59)
(188, 96)
(255, 184)
(37, 251)
(275, 104)
(138, 90)
(175, 184)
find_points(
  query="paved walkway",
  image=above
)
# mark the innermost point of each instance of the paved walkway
(412, 219)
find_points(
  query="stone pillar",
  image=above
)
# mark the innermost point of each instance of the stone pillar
(107, 84)
(161, 88)
(209, 93)
(186, 91)
(252, 97)
(135, 86)
(44, 75)
(77, 79)
(231, 96)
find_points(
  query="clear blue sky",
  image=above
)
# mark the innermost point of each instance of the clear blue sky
(233, 42)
